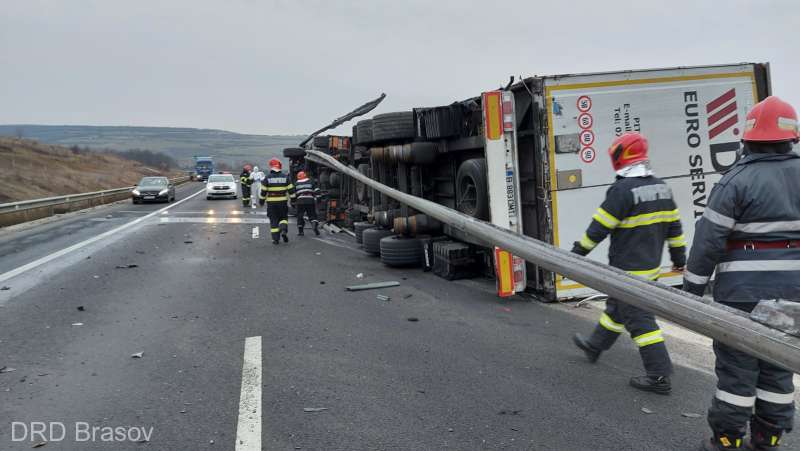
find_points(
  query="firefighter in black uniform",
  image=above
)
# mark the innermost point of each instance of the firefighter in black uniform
(750, 232)
(246, 183)
(640, 215)
(276, 190)
(307, 193)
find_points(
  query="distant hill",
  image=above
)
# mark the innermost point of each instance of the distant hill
(180, 143)
(32, 170)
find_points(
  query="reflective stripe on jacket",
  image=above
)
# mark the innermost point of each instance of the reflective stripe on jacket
(757, 200)
(276, 187)
(306, 190)
(640, 215)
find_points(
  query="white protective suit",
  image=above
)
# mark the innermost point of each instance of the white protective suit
(257, 176)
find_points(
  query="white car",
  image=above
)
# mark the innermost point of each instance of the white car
(221, 185)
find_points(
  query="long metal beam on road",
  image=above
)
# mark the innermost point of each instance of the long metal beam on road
(713, 320)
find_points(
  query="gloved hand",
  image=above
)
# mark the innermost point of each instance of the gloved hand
(580, 250)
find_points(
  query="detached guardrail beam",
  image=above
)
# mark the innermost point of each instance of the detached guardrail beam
(695, 313)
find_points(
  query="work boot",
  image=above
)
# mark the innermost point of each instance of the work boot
(723, 442)
(285, 236)
(592, 354)
(655, 384)
(764, 436)
(316, 228)
(300, 232)
(275, 241)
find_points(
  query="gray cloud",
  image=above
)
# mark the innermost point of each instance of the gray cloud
(289, 66)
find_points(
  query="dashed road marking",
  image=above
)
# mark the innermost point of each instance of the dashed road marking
(248, 428)
(50, 257)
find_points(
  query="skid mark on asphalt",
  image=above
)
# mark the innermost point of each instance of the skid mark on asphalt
(248, 428)
(50, 257)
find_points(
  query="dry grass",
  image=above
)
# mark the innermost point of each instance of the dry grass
(31, 170)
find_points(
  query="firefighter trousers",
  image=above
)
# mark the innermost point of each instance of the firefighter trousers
(306, 208)
(746, 384)
(278, 214)
(642, 327)
(246, 193)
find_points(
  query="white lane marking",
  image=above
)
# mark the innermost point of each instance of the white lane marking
(255, 232)
(50, 257)
(173, 220)
(342, 245)
(248, 428)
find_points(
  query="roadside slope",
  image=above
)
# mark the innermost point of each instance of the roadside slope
(30, 170)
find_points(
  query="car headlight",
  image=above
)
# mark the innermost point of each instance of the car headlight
(162, 192)
(135, 192)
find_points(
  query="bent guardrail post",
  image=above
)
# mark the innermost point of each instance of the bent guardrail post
(698, 314)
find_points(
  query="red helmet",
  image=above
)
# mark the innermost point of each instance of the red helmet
(771, 120)
(248, 168)
(301, 175)
(275, 164)
(627, 149)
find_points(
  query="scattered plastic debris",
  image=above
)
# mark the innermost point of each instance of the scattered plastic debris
(188, 242)
(81, 308)
(5, 288)
(384, 298)
(127, 266)
(95, 276)
(647, 411)
(691, 415)
(77, 324)
(413, 319)
(322, 282)
(6, 369)
(314, 409)
(372, 286)
(138, 355)
(360, 275)
(317, 253)
(509, 412)
(39, 445)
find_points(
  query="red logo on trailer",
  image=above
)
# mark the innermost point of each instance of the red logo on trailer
(587, 137)
(584, 104)
(585, 121)
(588, 155)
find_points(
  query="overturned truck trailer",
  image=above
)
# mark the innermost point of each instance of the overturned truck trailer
(531, 158)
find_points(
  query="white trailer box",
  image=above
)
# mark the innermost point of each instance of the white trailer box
(692, 117)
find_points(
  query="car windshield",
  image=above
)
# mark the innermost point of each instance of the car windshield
(220, 178)
(153, 181)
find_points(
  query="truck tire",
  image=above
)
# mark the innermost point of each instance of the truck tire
(324, 180)
(335, 179)
(364, 131)
(471, 189)
(371, 239)
(322, 142)
(362, 191)
(393, 126)
(359, 228)
(294, 152)
(399, 251)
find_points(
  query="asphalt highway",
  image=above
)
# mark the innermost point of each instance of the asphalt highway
(184, 321)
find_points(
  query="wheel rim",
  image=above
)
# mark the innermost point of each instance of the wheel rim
(468, 200)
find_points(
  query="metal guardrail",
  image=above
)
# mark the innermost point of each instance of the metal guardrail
(22, 206)
(713, 320)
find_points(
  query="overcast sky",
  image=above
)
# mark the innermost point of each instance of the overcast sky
(289, 66)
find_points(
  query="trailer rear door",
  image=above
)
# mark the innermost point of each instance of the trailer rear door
(692, 118)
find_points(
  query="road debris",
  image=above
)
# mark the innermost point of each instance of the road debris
(6, 369)
(647, 411)
(360, 275)
(188, 242)
(413, 319)
(77, 324)
(95, 276)
(373, 286)
(138, 355)
(384, 298)
(127, 266)
(5, 288)
(407, 296)
(39, 445)
(314, 409)
(691, 415)
(317, 253)
(81, 308)
(509, 412)
(322, 282)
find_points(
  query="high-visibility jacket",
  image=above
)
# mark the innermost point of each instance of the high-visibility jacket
(276, 187)
(756, 202)
(245, 179)
(306, 191)
(640, 215)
